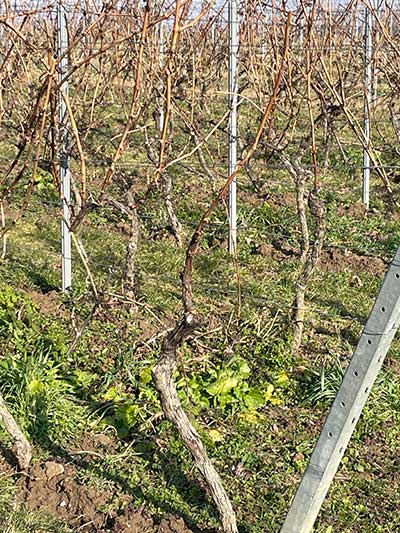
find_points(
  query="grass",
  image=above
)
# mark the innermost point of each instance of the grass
(258, 406)
(104, 386)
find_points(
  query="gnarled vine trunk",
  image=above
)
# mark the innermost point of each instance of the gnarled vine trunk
(23, 450)
(163, 374)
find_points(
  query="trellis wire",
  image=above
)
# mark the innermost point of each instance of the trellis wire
(215, 290)
(269, 17)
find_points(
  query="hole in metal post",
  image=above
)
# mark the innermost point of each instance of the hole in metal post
(341, 449)
(355, 373)
(330, 434)
(353, 421)
(383, 309)
(397, 276)
(366, 390)
(342, 404)
(369, 341)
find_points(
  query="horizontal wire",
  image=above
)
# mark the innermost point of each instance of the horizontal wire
(260, 17)
(198, 166)
(217, 290)
(243, 225)
(77, 8)
(244, 293)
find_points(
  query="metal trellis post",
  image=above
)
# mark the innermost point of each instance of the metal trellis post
(1, 39)
(233, 104)
(346, 409)
(161, 51)
(367, 106)
(375, 68)
(214, 32)
(263, 33)
(65, 174)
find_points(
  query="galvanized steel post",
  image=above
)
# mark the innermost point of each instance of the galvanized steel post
(346, 409)
(367, 106)
(161, 52)
(233, 104)
(65, 175)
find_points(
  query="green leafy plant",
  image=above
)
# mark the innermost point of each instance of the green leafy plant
(228, 387)
(127, 408)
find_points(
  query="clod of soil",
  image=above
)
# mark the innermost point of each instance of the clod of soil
(133, 521)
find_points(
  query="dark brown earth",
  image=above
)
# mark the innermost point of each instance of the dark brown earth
(353, 210)
(48, 302)
(332, 260)
(340, 261)
(135, 521)
(55, 486)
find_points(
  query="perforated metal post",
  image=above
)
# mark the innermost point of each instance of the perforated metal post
(233, 103)
(65, 175)
(367, 105)
(357, 383)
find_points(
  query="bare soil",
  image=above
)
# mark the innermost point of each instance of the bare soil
(56, 488)
(331, 260)
(339, 261)
(137, 521)
(354, 210)
(49, 302)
